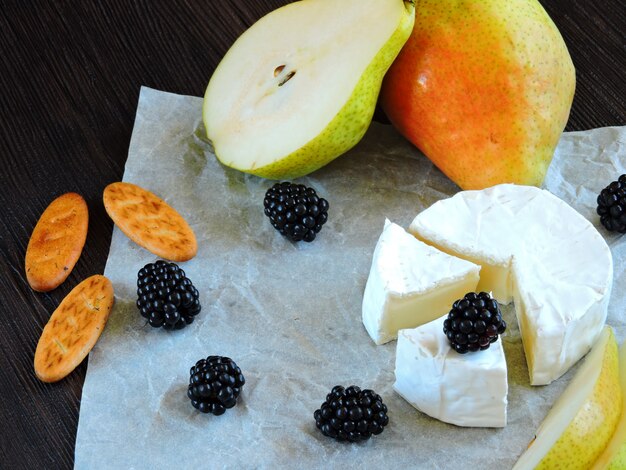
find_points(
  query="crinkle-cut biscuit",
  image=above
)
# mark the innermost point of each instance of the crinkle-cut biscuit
(149, 221)
(73, 328)
(56, 242)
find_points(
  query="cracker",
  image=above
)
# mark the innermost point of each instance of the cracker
(73, 328)
(56, 242)
(149, 221)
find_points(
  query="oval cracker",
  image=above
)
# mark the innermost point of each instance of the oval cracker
(149, 221)
(73, 328)
(56, 242)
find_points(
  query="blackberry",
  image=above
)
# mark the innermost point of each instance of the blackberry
(295, 210)
(351, 414)
(474, 323)
(165, 296)
(215, 384)
(612, 206)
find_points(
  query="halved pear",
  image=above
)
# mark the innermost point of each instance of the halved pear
(614, 456)
(582, 421)
(299, 87)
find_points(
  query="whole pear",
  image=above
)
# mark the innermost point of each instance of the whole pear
(484, 88)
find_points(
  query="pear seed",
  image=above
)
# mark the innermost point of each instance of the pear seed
(287, 78)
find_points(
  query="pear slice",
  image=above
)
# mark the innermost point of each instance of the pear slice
(299, 87)
(614, 456)
(577, 429)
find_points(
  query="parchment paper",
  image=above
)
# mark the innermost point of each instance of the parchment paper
(290, 314)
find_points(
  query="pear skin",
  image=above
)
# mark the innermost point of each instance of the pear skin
(583, 420)
(299, 88)
(614, 455)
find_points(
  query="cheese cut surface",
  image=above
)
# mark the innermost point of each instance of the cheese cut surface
(538, 251)
(411, 283)
(461, 389)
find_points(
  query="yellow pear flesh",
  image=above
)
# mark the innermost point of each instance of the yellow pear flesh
(582, 421)
(299, 87)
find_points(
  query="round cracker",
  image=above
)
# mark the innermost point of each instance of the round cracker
(73, 328)
(149, 221)
(56, 242)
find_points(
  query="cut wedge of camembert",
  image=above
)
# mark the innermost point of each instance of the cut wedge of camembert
(462, 389)
(411, 283)
(537, 250)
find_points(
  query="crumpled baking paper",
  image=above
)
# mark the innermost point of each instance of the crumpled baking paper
(290, 314)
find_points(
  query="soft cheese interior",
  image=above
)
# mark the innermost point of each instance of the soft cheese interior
(466, 390)
(411, 283)
(538, 251)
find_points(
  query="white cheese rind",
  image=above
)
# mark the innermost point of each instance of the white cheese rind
(550, 259)
(411, 283)
(461, 389)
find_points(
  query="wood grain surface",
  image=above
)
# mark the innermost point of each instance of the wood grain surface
(70, 74)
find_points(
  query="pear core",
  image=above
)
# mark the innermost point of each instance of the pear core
(287, 77)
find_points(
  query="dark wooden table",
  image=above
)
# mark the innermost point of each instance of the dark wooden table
(70, 74)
